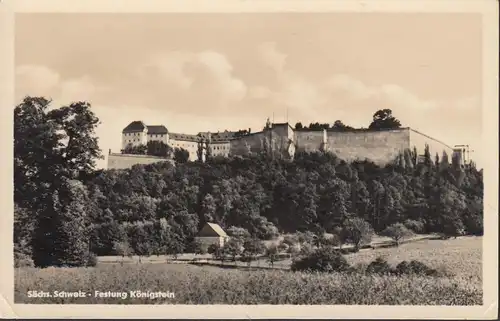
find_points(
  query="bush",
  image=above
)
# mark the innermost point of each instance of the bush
(283, 247)
(398, 232)
(290, 240)
(415, 267)
(324, 259)
(358, 232)
(305, 249)
(91, 259)
(415, 226)
(379, 266)
(22, 260)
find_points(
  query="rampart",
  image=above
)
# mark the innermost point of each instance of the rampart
(379, 147)
(281, 139)
(122, 161)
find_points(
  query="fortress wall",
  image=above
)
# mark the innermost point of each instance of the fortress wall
(239, 146)
(122, 161)
(308, 141)
(380, 147)
(419, 140)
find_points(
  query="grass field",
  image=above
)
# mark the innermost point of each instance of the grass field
(213, 285)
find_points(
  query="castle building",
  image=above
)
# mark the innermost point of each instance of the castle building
(284, 141)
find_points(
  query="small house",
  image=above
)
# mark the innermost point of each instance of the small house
(212, 233)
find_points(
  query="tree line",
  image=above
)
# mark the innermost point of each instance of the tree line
(67, 211)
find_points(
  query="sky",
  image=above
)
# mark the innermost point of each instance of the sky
(197, 72)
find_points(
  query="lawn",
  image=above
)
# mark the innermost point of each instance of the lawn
(213, 285)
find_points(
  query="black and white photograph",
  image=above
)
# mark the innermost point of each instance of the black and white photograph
(278, 158)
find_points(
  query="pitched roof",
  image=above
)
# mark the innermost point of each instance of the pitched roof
(157, 129)
(184, 137)
(219, 136)
(135, 126)
(217, 229)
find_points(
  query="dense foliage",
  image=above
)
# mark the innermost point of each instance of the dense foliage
(158, 208)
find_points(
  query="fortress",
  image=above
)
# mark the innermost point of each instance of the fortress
(380, 147)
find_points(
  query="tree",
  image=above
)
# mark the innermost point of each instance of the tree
(252, 248)
(123, 249)
(299, 126)
(397, 232)
(23, 230)
(358, 232)
(208, 208)
(175, 246)
(200, 152)
(48, 144)
(198, 247)
(158, 148)
(215, 251)
(338, 125)
(383, 119)
(140, 149)
(272, 254)
(340, 234)
(62, 232)
(232, 248)
(52, 149)
(181, 156)
(238, 232)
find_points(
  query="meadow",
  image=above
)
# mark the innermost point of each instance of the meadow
(460, 258)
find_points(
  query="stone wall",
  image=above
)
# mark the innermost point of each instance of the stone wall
(122, 161)
(379, 147)
(253, 142)
(308, 141)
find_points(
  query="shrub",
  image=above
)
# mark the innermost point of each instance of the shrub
(397, 232)
(238, 232)
(415, 226)
(325, 259)
(379, 266)
(415, 267)
(22, 260)
(91, 259)
(252, 248)
(290, 240)
(358, 232)
(283, 247)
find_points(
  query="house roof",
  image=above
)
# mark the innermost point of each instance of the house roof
(224, 136)
(217, 229)
(135, 126)
(157, 129)
(184, 137)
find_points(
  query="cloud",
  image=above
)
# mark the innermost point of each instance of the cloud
(259, 92)
(293, 90)
(271, 56)
(77, 89)
(35, 80)
(466, 104)
(221, 71)
(390, 94)
(205, 72)
(170, 66)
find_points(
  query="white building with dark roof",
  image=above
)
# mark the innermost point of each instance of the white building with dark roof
(212, 233)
